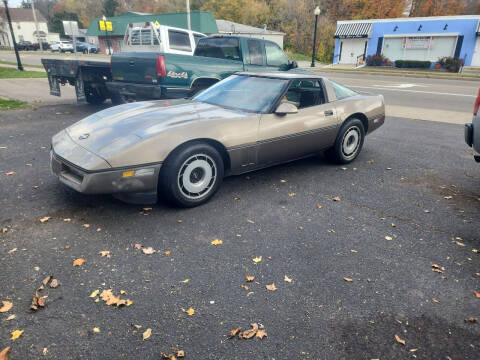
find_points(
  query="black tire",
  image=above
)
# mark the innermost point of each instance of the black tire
(118, 99)
(349, 142)
(94, 96)
(192, 160)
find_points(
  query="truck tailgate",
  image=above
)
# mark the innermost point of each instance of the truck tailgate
(135, 67)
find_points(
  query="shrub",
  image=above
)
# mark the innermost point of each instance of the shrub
(451, 63)
(376, 60)
(412, 64)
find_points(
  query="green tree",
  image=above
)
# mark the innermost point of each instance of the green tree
(26, 4)
(57, 25)
(110, 7)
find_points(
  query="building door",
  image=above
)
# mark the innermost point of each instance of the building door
(351, 49)
(476, 53)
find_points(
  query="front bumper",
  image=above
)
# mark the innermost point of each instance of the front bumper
(107, 181)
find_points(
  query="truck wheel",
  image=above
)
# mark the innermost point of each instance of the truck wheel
(94, 96)
(348, 143)
(118, 99)
(191, 175)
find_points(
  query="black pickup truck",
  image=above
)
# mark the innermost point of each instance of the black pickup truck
(135, 76)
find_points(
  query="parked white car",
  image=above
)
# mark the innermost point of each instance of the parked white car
(61, 46)
(160, 38)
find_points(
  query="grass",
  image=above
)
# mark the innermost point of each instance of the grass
(297, 56)
(11, 73)
(14, 63)
(6, 104)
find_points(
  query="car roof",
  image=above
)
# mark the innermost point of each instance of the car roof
(282, 75)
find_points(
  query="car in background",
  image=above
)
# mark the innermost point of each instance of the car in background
(472, 130)
(181, 149)
(87, 48)
(61, 46)
(25, 46)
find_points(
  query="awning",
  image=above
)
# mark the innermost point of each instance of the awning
(478, 28)
(353, 30)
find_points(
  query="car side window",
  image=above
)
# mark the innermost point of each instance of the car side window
(341, 92)
(255, 52)
(179, 40)
(275, 55)
(305, 93)
(221, 48)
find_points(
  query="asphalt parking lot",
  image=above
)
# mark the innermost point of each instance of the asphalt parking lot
(411, 200)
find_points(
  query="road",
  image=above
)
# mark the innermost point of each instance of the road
(394, 220)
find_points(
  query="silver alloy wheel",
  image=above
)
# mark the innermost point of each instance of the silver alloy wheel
(351, 141)
(197, 176)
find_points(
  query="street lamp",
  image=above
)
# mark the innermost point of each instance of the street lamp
(107, 45)
(317, 12)
(19, 63)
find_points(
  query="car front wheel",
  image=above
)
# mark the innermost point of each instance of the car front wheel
(349, 142)
(191, 175)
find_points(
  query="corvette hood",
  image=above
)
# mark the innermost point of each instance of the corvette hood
(109, 131)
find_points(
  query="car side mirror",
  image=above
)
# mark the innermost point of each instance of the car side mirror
(286, 108)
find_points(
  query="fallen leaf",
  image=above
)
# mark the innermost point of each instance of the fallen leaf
(476, 293)
(94, 293)
(86, 225)
(36, 268)
(459, 243)
(123, 292)
(16, 334)
(476, 251)
(7, 305)
(147, 209)
(179, 221)
(347, 279)
(180, 353)
(292, 194)
(336, 198)
(111, 299)
(138, 246)
(435, 301)
(257, 259)
(353, 251)
(250, 221)
(11, 317)
(12, 251)
(138, 326)
(67, 220)
(44, 219)
(146, 334)
(46, 280)
(78, 262)
(393, 225)
(234, 333)
(370, 161)
(249, 278)
(105, 253)
(287, 279)
(271, 287)
(168, 252)
(344, 168)
(216, 242)
(389, 168)
(389, 238)
(283, 181)
(399, 340)
(54, 283)
(471, 320)
(148, 251)
(261, 334)
(190, 311)
(438, 268)
(448, 197)
(4, 230)
(248, 334)
(96, 330)
(245, 287)
(10, 173)
(185, 281)
(37, 301)
(4, 353)
(319, 206)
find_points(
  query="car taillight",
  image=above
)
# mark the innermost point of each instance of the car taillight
(161, 69)
(477, 104)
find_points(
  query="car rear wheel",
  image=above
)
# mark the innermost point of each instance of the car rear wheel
(349, 142)
(191, 175)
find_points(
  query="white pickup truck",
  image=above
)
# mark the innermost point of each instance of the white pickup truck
(148, 37)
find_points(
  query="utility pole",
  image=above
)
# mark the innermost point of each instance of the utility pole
(19, 63)
(36, 25)
(189, 24)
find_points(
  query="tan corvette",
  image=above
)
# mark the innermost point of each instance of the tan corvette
(182, 149)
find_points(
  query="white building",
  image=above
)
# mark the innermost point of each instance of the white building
(23, 27)
(226, 27)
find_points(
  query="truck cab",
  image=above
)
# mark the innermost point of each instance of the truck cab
(148, 37)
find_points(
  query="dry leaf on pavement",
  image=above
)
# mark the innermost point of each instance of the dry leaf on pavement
(389, 238)
(148, 251)
(476, 293)
(12, 251)
(138, 246)
(248, 334)
(271, 287)
(146, 334)
(336, 198)
(95, 293)
(216, 242)
(249, 278)
(96, 330)
(37, 301)
(111, 299)
(438, 268)
(459, 243)
(11, 317)
(78, 262)
(234, 333)
(347, 279)
(257, 259)
(244, 287)
(292, 194)
(180, 353)
(287, 279)
(44, 219)
(4, 353)
(167, 252)
(471, 320)
(190, 311)
(16, 334)
(261, 334)
(319, 206)
(399, 340)
(10, 173)
(105, 253)
(86, 226)
(7, 305)
(54, 283)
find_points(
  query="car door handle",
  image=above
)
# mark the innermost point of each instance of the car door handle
(328, 112)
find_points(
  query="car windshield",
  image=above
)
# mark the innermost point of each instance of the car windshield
(247, 93)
